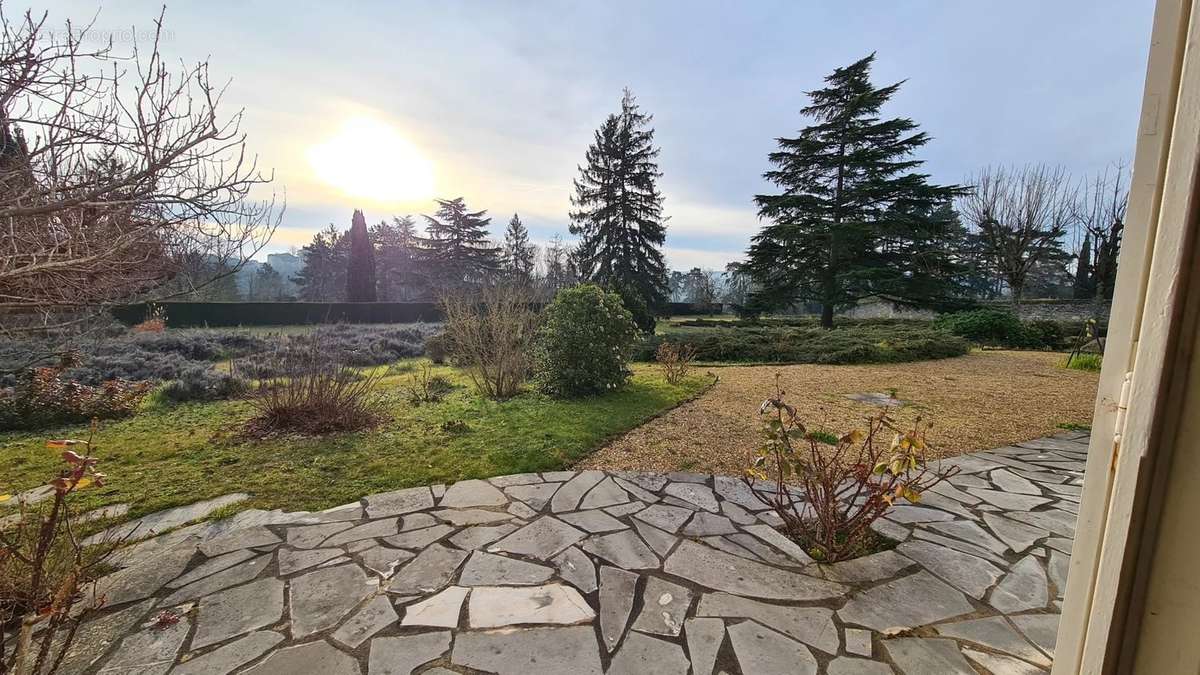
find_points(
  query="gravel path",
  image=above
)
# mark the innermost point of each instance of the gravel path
(983, 400)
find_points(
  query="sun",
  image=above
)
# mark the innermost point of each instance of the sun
(369, 159)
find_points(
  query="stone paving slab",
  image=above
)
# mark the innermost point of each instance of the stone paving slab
(601, 572)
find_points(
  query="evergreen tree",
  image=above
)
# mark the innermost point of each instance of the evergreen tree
(398, 273)
(519, 254)
(618, 213)
(323, 277)
(360, 266)
(852, 211)
(268, 284)
(457, 251)
(1084, 287)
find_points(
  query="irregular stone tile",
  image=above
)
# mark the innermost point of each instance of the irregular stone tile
(383, 560)
(1071, 490)
(1010, 482)
(144, 579)
(722, 571)
(894, 604)
(858, 641)
(530, 651)
(372, 618)
(313, 657)
(594, 521)
(625, 509)
(1024, 587)
(969, 574)
(811, 625)
(687, 477)
(724, 544)
(736, 491)
(617, 588)
(623, 549)
(666, 518)
(638, 492)
(1002, 665)
(704, 638)
(543, 539)
(499, 606)
(360, 545)
(1060, 544)
(760, 650)
(515, 479)
(321, 598)
(150, 525)
(658, 540)
(872, 567)
(311, 536)
(1006, 501)
(371, 530)
(486, 569)
(467, 493)
(964, 480)
(606, 493)
(844, 665)
(653, 482)
(230, 657)
(958, 545)
(238, 574)
(151, 651)
(567, 497)
(480, 535)
(775, 538)
(664, 606)
(463, 517)
(212, 566)
(1059, 565)
(1018, 536)
(520, 510)
(416, 521)
(418, 538)
(699, 495)
(440, 610)
(402, 655)
(921, 655)
(1056, 520)
(907, 515)
(1041, 629)
(738, 514)
(352, 511)
(558, 476)
(763, 552)
(94, 638)
(947, 489)
(536, 496)
(232, 541)
(705, 524)
(993, 632)
(972, 533)
(237, 610)
(643, 654)
(399, 502)
(576, 569)
(430, 571)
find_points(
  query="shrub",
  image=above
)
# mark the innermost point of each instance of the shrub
(489, 333)
(989, 326)
(843, 486)
(203, 383)
(1045, 334)
(43, 398)
(584, 343)
(675, 360)
(426, 388)
(320, 395)
(1085, 361)
(435, 348)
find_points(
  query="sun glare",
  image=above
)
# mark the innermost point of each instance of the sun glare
(370, 159)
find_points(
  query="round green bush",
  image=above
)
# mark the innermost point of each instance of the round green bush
(989, 326)
(583, 344)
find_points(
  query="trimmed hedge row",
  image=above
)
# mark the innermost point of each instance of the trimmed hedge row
(197, 314)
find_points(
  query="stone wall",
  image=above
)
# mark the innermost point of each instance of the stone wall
(1059, 310)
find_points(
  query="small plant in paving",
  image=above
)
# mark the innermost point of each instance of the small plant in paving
(675, 360)
(829, 490)
(584, 343)
(46, 574)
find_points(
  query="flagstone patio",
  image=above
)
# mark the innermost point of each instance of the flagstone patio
(598, 572)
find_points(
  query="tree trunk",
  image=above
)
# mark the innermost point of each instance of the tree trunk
(827, 315)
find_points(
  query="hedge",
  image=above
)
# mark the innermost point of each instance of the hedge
(194, 314)
(690, 309)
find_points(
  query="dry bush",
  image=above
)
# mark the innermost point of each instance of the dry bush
(844, 483)
(424, 387)
(320, 394)
(675, 360)
(489, 333)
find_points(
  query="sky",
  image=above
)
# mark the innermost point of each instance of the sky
(384, 105)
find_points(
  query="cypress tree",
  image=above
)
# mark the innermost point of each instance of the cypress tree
(457, 251)
(852, 212)
(618, 213)
(518, 252)
(1084, 287)
(360, 268)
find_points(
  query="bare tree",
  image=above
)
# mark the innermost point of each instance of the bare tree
(1099, 211)
(1020, 216)
(116, 171)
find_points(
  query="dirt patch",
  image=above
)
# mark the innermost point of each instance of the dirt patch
(980, 401)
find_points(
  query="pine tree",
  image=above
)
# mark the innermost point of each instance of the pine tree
(519, 254)
(398, 270)
(852, 208)
(268, 284)
(457, 251)
(323, 278)
(618, 213)
(360, 266)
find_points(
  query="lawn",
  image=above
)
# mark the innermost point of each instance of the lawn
(172, 455)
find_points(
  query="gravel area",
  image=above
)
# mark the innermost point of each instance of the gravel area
(980, 401)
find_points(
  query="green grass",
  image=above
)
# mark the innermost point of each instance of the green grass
(1085, 361)
(172, 455)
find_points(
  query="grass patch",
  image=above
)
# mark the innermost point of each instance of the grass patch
(1085, 361)
(168, 456)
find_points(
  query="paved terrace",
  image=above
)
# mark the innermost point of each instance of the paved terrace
(596, 572)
